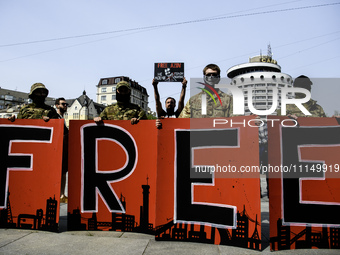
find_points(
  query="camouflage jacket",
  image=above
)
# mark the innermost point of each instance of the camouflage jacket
(193, 108)
(32, 111)
(311, 106)
(120, 112)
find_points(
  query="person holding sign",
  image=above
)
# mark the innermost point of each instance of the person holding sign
(123, 109)
(170, 102)
(38, 109)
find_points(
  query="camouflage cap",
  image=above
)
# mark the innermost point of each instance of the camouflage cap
(37, 86)
(123, 83)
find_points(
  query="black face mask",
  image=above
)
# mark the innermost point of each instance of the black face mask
(39, 100)
(124, 99)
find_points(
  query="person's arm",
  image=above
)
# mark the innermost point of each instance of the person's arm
(159, 108)
(102, 116)
(141, 116)
(181, 98)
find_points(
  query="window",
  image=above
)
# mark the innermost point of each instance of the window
(104, 82)
(103, 98)
(114, 89)
(117, 80)
(75, 116)
(113, 97)
(103, 89)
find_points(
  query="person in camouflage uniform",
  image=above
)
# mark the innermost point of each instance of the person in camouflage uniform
(38, 109)
(123, 109)
(193, 108)
(293, 111)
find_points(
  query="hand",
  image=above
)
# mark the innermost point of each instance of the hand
(97, 119)
(258, 121)
(134, 121)
(292, 116)
(158, 124)
(154, 82)
(184, 83)
(12, 118)
(45, 118)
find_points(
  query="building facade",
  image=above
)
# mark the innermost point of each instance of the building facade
(106, 92)
(261, 74)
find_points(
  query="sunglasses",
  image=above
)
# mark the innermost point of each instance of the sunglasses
(212, 74)
(64, 104)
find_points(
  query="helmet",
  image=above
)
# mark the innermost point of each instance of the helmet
(123, 83)
(37, 86)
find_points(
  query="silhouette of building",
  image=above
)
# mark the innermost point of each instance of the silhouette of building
(186, 232)
(92, 222)
(144, 211)
(51, 215)
(334, 236)
(74, 221)
(123, 222)
(119, 221)
(255, 240)
(305, 239)
(37, 220)
(6, 218)
(240, 235)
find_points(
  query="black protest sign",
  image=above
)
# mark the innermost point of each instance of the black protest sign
(169, 72)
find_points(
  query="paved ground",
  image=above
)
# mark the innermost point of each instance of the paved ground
(14, 241)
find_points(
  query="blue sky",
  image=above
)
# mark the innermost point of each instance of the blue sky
(128, 37)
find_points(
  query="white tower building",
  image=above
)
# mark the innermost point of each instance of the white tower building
(262, 73)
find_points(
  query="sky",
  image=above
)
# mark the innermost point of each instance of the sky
(69, 45)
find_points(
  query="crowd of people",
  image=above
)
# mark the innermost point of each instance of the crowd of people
(125, 110)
